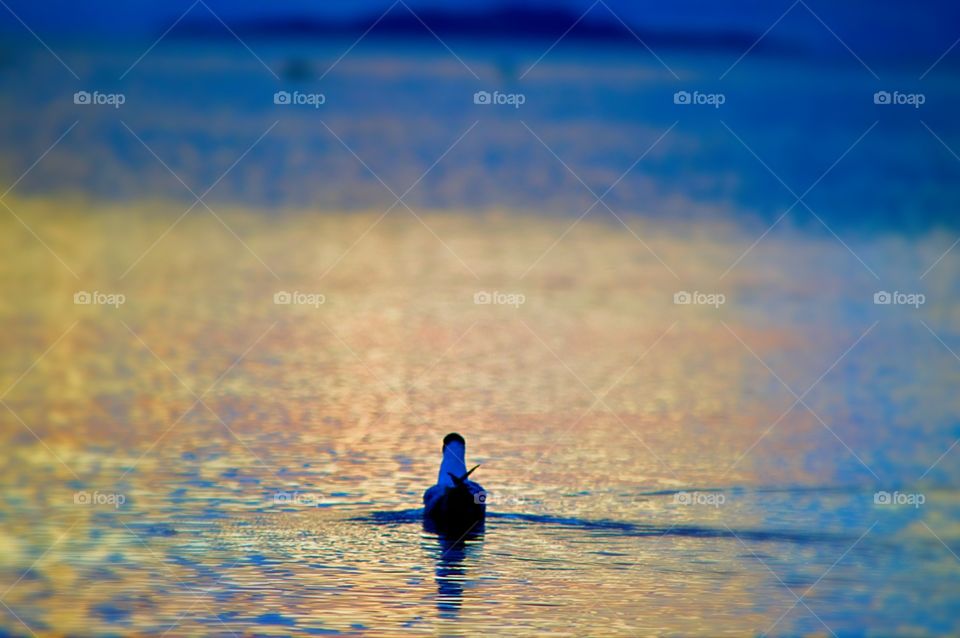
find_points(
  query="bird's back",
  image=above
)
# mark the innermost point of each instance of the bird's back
(460, 508)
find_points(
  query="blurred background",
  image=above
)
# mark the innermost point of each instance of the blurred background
(683, 275)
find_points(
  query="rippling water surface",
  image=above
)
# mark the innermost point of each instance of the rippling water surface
(271, 457)
(202, 460)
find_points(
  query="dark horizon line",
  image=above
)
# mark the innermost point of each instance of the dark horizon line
(502, 24)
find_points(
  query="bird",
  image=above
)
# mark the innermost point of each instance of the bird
(455, 505)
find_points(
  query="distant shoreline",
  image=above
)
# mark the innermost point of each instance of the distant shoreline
(496, 25)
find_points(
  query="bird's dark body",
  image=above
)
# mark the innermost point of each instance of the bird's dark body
(455, 506)
(459, 509)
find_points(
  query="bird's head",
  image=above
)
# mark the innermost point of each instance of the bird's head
(453, 468)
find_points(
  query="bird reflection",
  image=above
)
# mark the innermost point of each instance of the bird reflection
(451, 573)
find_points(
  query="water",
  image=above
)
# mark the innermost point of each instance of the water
(399, 109)
(202, 460)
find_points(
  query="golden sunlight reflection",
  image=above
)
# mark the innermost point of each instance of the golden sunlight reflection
(588, 395)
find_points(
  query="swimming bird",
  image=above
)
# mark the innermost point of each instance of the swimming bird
(455, 505)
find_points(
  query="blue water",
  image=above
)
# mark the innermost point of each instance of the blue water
(672, 509)
(400, 108)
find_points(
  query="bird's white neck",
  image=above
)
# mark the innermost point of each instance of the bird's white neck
(453, 462)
